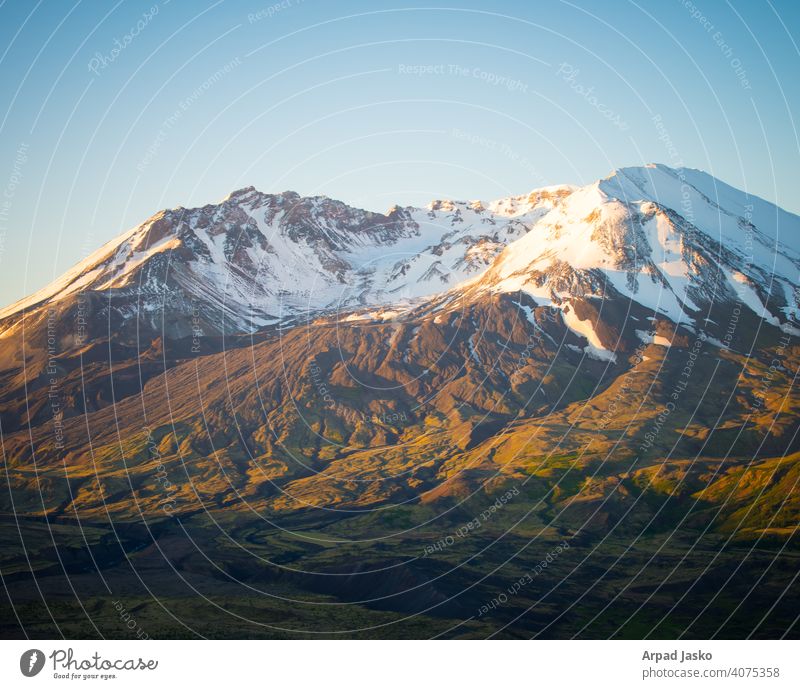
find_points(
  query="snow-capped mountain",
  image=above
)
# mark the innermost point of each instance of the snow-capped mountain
(416, 366)
(257, 258)
(677, 242)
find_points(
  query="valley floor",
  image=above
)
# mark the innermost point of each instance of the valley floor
(187, 579)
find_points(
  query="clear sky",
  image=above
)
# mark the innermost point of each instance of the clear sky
(112, 110)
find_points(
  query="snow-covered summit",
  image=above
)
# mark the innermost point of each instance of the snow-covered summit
(674, 241)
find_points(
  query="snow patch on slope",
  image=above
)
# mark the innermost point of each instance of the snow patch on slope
(585, 329)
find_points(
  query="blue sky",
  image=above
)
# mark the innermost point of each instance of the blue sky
(111, 111)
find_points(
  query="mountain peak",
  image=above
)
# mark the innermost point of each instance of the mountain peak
(244, 191)
(674, 241)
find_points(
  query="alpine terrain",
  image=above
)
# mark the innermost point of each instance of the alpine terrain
(570, 413)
